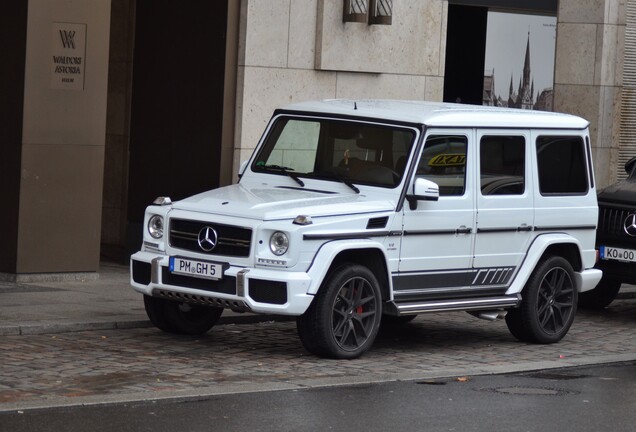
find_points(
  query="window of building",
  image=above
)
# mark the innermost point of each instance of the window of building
(502, 165)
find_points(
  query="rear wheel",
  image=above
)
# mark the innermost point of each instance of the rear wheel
(183, 318)
(601, 296)
(343, 320)
(394, 320)
(548, 303)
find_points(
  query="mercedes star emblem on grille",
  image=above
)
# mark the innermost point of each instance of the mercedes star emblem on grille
(207, 238)
(630, 225)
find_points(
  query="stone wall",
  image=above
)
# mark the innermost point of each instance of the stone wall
(291, 51)
(588, 74)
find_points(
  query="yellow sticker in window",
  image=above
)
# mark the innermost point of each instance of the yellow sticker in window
(445, 160)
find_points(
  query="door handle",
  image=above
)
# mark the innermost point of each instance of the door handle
(524, 227)
(463, 230)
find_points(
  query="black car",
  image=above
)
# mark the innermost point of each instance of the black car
(615, 240)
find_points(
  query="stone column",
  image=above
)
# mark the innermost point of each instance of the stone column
(58, 215)
(588, 73)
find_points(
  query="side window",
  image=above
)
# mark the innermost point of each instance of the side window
(502, 162)
(561, 165)
(443, 161)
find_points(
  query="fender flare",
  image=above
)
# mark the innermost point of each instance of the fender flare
(535, 252)
(328, 252)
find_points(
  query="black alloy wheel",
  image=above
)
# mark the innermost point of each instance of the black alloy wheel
(182, 318)
(548, 304)
(344, 318)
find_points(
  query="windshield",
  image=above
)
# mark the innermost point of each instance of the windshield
(342, 150)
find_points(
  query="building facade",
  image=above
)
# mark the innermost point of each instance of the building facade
(166, 97)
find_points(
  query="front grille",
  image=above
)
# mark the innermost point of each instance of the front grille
(232, 240)
(611, 222)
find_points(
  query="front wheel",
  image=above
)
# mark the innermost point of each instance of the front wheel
(548, 303)
(601, 296)
(183, 318)
(343, 320)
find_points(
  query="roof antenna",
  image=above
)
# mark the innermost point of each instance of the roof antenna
(355, 105)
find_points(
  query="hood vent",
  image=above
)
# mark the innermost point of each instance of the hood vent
(377, 223)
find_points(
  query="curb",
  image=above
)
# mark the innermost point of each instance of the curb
(53, 328)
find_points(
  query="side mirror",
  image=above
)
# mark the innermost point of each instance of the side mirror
(629, 165)
(242, 168)
(423, 190)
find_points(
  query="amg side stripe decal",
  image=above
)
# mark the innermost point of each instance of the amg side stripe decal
(482, 277)
(492, 276)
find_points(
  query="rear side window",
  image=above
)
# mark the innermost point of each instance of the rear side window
(562, 166)
(501, 166)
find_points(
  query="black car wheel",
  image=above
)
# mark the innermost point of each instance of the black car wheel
(601, 296)
(177, 317)
(343, 320)
(548, 304)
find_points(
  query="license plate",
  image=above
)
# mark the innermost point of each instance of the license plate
(200, 269)
(617, 254)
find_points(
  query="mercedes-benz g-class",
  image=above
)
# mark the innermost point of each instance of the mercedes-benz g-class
(351, 212)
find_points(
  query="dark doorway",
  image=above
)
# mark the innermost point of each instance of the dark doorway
(177, 103)
(465, 53)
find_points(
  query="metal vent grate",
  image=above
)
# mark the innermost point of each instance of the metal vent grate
(377, 223)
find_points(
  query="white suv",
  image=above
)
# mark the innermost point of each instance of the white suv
(353, 212)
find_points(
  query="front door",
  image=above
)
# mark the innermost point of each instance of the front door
(437, 243)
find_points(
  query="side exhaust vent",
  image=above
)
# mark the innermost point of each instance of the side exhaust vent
(377, 223)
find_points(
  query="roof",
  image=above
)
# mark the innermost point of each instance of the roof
(441, 114)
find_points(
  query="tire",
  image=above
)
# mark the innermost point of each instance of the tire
(343, 320)
(548, 304)
(181, 318)
(393, 320)
(601, 296)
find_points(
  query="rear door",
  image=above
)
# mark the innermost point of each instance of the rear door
(505, 207)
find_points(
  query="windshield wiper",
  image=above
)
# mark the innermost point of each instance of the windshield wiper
(347, 182)
(284, 170)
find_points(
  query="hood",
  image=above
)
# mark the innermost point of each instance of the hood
(277, 203)
(623, 192)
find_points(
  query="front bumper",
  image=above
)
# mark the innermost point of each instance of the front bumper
(617, 270)
(255, 290)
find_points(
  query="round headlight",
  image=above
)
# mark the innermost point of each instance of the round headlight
(155, 227)
(278, 243)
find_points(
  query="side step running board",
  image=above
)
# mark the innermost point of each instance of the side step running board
(483, 303)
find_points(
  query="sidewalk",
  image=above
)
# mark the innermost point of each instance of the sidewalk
(105, 302)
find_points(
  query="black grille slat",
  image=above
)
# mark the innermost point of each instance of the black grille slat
(611, 225)
(232, 240)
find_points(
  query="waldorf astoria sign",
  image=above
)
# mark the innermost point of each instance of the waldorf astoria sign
(68, 56)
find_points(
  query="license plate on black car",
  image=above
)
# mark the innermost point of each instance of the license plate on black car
(617, 254)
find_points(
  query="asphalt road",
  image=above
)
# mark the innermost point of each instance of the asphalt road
(597, 398)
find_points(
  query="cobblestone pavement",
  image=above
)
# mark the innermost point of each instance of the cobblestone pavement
(144, 363)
